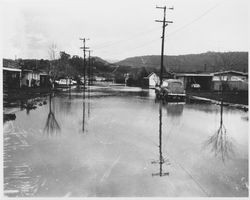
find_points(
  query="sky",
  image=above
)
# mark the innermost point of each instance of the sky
(118, 29)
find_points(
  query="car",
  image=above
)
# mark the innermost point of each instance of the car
(65, 82)
(171, 90)
(195, 86)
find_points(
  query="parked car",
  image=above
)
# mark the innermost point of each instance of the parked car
(65, 82)
(195, 86)
(171, 89)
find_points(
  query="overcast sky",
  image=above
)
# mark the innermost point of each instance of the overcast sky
(122, 28)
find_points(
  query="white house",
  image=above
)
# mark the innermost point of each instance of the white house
(31, 78)
(152, 80)
(234, 80)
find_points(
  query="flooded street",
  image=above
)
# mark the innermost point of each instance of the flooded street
(117, 141)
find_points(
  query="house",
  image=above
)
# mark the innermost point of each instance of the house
(11, 74)
(34, 78)
(26, 78)
(11, 77)
(152, 80)
(230, 80)
(44, 80)
(204, 80)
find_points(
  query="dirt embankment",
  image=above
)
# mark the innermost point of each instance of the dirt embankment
(229, 97)
(14, 96)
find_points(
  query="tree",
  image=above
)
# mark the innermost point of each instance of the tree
(53, 67)
(65, 70)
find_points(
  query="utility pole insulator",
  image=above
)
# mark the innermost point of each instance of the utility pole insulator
(161, 7)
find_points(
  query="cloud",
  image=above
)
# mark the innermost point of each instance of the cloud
(31, 26)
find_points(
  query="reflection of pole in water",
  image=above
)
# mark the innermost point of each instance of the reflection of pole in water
(89, 101)
(161, 159)
(51, 125)
(83, 110)
(70, 88)
(160, 138)
(89, 81)
(221, 113)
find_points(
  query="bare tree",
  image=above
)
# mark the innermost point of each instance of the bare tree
(53, 66)
(52, 51)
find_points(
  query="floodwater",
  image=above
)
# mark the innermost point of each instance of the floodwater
(118, 141)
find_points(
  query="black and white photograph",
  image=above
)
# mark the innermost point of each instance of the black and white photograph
(124, 99)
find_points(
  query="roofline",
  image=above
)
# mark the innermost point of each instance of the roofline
(173, 80)
(12, 69)
(150, 74)
(187, 74)
(228, 71)
(28, 70)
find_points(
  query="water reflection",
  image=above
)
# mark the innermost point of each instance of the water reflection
(104, 163)
(219, 142)
(28, 104)
(161, 160)
(9, 117)
(64, 104)
(51, 127)
(83, 110)
(89, 100)
(175, 109)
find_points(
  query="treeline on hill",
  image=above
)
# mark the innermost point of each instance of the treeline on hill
(136, 68)
(205, 62)
(67, 65)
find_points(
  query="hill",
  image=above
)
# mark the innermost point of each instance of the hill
(204, 62)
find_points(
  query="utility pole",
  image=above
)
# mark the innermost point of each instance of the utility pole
(164, 24)
(84, 57)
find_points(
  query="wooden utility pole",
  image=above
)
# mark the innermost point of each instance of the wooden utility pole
(84, 58)
(164, 24)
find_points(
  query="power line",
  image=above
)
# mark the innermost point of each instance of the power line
(194, 20)
(174, 32)
(152, 30)
(138, 47)
(106, 44)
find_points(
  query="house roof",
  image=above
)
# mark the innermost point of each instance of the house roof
(35, 71)
(27, 70)
(164, 75)
(193, 74)
(12, 69)
(150, 74)
(230, 71)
